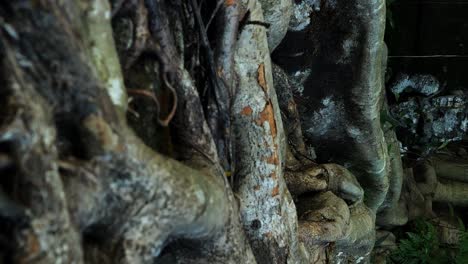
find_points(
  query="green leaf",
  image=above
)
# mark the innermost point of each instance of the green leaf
(389, 148)
(386, 118)
(461, 225)
(443, 145)
(421, 246)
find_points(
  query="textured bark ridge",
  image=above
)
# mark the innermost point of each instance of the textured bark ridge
(267, 210)
(157, 131)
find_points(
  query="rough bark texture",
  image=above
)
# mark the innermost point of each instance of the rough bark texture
(277, 14)
(93, 93)
(131, 205)
(267, 209)
(345, 118)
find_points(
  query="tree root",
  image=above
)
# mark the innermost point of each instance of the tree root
(137, 195)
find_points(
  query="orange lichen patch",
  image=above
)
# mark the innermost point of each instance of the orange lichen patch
(247, 111)
(33, 243)
(268, 115)
(230, 2)
(102, 131)
(261, 77)
(32, 248)
(273, 175)
(273, 159)
(275, 191)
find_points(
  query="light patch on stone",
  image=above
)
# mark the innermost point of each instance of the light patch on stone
(300, 18)
(464, 125)
(115, 90)
(145, 220)
(326, 101)
(347, 45)
(325, 118)
(23, 61)
(99, 9)
(421, 83)
(48, 136)
(379, 170)
(356, 133)
(11, 31)
(298, 79)
(200, 196)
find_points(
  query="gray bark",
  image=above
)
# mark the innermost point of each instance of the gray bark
(141, 134)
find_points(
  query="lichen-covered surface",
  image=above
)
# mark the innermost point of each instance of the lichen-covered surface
(235, 159)
(301, 13)
(343, 93)
(419, 83)
(267, 209)
(278, 15)
(428, 123)
(128, 199)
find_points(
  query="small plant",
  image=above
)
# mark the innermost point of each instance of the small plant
(462, 256)
(420, 247)
(423, 246)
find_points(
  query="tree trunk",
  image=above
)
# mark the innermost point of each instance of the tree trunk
(143, 131)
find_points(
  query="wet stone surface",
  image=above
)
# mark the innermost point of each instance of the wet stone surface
(430, 122)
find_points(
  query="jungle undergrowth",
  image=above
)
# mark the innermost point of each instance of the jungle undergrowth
(423, 246)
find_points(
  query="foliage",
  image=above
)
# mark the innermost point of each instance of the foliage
(462, 256)
(420, 247)
(387, 121)
(423, 246)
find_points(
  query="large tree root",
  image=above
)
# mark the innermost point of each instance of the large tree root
(343, 94)
(142, 199)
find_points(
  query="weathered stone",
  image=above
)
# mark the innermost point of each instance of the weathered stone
(424, 84)
(301, 14)
(440, 119)
(277, 14)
